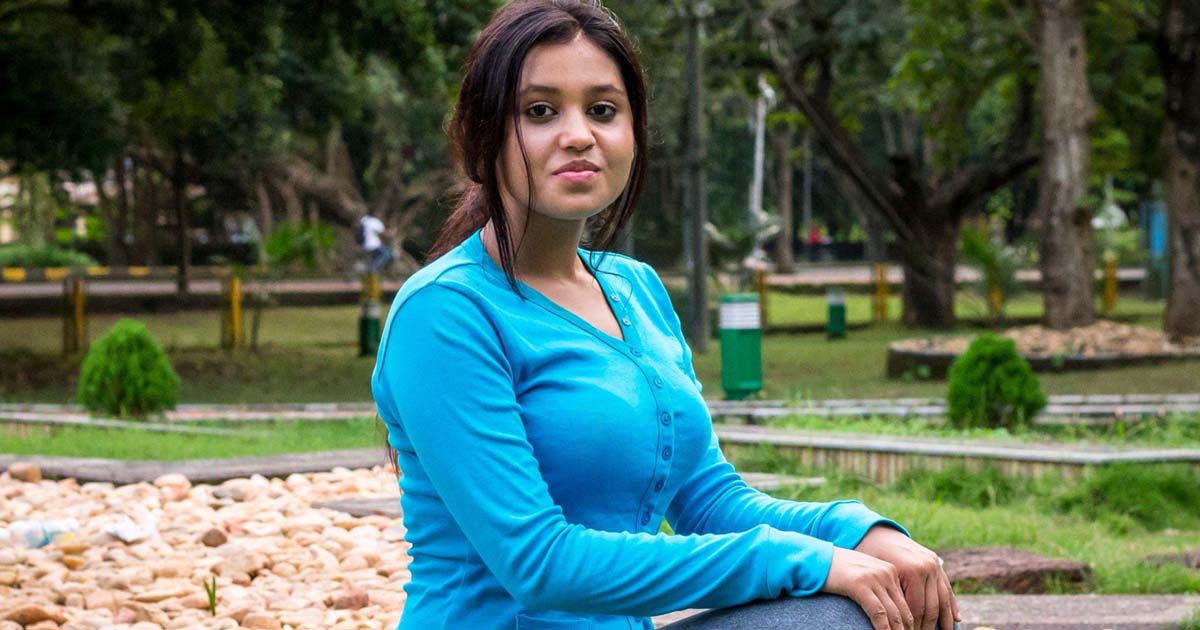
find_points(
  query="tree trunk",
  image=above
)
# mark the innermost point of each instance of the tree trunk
(114, 246)
(182, 216)
(783, 168)
(929, 259)
(145, 208)
(1067, 247)
(123, 206)
(266, 217)
(1179, 49)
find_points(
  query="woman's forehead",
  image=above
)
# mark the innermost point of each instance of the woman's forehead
(578, 66)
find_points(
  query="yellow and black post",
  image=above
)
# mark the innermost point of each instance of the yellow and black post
(881, 293)
(75, 337)
(1110, 286)
(231, 319)
(368, 321)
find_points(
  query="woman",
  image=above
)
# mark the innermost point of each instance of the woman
(542, 401)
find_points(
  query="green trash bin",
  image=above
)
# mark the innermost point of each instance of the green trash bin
(836, 326)
(741, 345)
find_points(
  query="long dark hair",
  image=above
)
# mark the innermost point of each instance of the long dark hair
(490, 83)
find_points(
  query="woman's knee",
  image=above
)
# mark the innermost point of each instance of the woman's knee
(822, 611)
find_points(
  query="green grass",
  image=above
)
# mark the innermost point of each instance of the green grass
(1181, 431)
(813, 367)
(953, 509)
(787, 308)
(280, 437)
(288, 326)
(310, 355)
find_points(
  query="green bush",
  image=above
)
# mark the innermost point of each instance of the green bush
(127, 374)
(18, 255)
(1152, 496)
(991, 385)
(299, 247)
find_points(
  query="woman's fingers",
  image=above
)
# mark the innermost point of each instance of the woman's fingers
(905, 616)
(932, 595)
(877, 611)
(949, 607)
(887, 594)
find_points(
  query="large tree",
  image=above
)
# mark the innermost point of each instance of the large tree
(1179, 48)
(1066, 247)
(833, 61)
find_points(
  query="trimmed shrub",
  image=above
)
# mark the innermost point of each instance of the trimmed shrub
(19, 255)
(992, 385)
(127, 374)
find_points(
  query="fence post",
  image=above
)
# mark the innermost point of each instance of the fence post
(881, 293)
(231, 318)
(368, 321)
(74, 315)
(1110, 286)
(760, 285)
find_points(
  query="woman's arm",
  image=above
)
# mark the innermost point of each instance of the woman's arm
(446, 379)
(715, 499)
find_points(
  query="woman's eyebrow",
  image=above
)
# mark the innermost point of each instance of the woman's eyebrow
(606, 88)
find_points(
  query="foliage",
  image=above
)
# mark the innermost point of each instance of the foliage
(991, 385)
(997, 264)
(127, 374)
(1131, 495)
(983, 488)
(299, 246)
(21, 255)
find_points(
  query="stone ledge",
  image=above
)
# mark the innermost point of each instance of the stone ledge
(1058, 612)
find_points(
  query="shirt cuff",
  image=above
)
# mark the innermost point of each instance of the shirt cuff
(854, 520)
(802, 564)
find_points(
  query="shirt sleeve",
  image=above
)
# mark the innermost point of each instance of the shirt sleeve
(449, 382)
(715, 499)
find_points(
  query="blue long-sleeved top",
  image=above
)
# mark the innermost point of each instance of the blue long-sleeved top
(540, 455)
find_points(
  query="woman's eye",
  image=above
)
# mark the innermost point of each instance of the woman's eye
(603, 111)
(539, 111)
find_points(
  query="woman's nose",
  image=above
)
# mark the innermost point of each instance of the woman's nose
(577, 132)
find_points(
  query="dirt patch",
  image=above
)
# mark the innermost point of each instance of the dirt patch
(1100, 339)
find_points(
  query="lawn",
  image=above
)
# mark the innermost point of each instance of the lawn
(262, 438)
(309, 354)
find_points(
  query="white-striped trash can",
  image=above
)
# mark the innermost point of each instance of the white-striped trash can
(741, 345)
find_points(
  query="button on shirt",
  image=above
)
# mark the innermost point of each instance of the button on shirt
(541, 454)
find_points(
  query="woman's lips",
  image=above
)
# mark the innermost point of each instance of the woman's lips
(578, 177)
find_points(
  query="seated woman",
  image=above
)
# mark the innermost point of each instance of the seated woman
(541, 400)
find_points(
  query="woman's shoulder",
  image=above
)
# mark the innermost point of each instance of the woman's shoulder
(455, 270)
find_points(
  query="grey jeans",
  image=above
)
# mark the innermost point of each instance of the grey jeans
(821, 611)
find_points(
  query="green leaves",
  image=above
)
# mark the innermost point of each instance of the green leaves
(991, 385)
(127, 374)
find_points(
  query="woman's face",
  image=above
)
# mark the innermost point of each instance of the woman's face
(577, 128)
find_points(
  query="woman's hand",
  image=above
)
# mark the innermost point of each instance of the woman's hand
(873, 584)
(926, 587)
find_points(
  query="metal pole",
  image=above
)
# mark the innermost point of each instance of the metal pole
(694, 196)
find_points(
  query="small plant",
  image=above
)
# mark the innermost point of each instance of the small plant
(127, 374)
(210, 589)
(992, 386)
